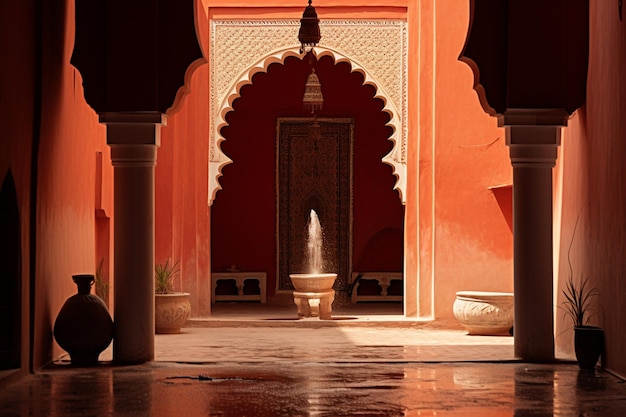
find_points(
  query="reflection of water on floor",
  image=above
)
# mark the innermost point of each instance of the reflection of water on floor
(302, 388)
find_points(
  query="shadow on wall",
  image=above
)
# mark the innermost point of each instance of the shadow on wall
(504, 197)
(384, 252)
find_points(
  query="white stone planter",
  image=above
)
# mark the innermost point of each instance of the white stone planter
(484, 313)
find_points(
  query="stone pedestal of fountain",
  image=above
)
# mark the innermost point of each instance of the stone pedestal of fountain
(314, 294)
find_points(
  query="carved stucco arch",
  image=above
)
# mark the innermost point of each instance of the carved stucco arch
(222, 104)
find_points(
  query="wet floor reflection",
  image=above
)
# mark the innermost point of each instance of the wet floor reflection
(318, 389)
(534, 391)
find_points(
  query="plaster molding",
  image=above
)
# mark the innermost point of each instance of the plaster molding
(375, 48)
(534, 117)
(133, 128)
(533, 146)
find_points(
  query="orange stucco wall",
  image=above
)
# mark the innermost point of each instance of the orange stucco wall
(182, 228)
(472, 241)
(69, 136)
(182, 210)
(69, 139)
(593, 186)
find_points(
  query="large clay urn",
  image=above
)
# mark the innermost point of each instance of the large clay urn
(84, 327)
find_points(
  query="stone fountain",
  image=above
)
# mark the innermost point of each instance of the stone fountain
(314, 294)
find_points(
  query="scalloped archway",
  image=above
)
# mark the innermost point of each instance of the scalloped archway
(395, 158)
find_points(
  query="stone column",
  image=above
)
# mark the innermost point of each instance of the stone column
(133, 138)
(533, 143)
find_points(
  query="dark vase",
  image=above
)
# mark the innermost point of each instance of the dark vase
(588, 345)
(84, 327)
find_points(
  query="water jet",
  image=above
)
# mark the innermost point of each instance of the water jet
(313, 291)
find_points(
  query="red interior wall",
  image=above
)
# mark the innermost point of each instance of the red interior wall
(243, 215)
(594, 190)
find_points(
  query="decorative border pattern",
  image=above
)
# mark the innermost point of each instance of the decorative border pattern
(375, 48)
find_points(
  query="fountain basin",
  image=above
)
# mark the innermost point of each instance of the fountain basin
(313, 282)
(314, 294)
(484, 313)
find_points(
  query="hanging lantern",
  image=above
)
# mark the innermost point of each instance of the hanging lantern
(315, 132)
(309, 34)
(313, 98)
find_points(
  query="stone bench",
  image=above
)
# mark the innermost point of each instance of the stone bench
(383, 280)
(239, 289)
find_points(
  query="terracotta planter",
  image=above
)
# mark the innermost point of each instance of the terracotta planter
(589, 345)
(171, 312)
(484, 313)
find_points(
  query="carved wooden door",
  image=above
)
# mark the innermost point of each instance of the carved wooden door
(314, 171)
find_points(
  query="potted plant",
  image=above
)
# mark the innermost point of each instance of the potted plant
(102, 286)
(171, 308)
(578, 306)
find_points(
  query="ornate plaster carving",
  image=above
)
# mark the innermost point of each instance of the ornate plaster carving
(375, 48)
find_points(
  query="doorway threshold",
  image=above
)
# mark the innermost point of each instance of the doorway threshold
(238, 314)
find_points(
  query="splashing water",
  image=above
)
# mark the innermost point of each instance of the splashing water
(314, 244)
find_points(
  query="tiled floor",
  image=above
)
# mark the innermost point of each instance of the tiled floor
(355, 365)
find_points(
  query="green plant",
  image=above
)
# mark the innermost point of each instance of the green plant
(578, 304)
(163, 274)
(578, 301)
(102, 287)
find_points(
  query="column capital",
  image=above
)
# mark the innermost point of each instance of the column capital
(141, 117)
(532, 145)
(133, 128)
(533, 117)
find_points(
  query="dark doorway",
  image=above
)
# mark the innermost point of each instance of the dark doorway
(10, 276)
